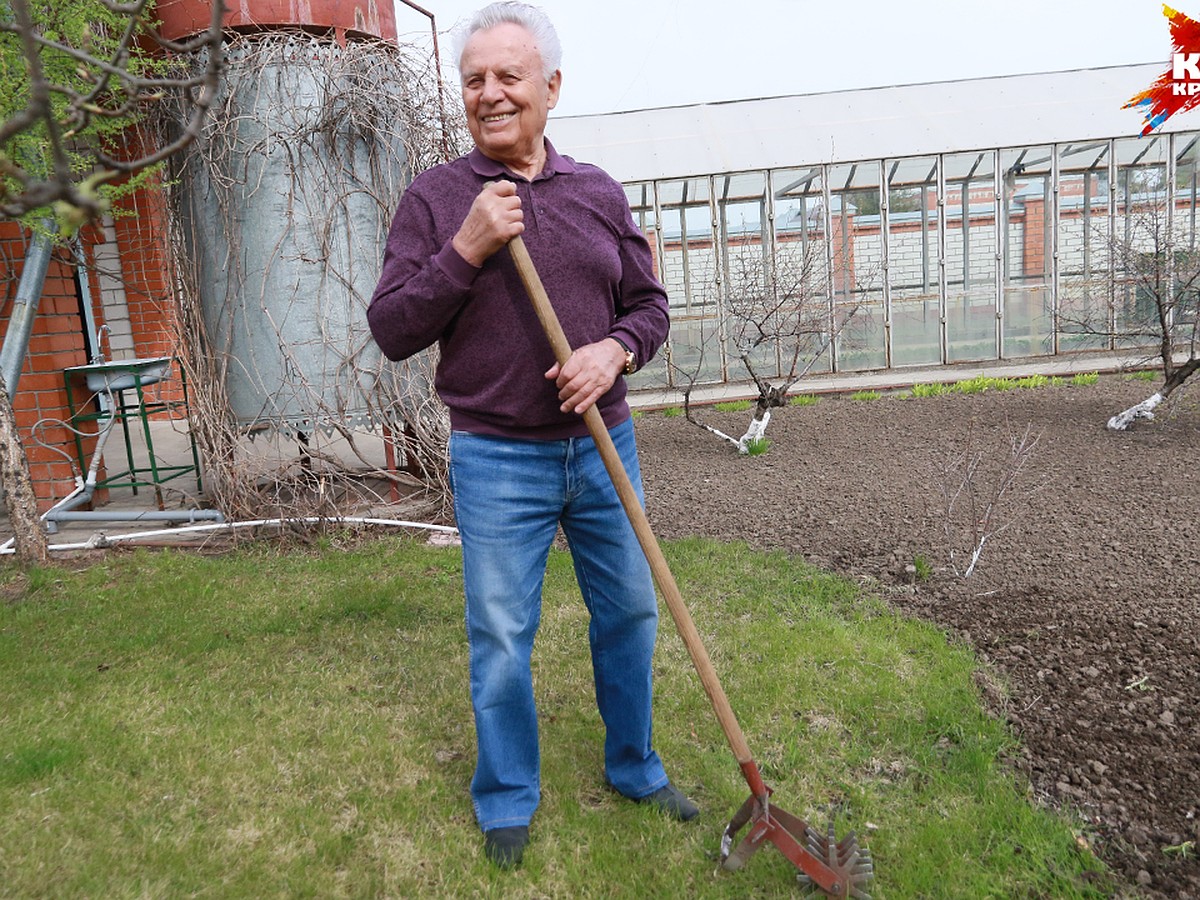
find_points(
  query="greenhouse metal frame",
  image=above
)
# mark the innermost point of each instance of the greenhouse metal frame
(941, 250)
(956, 257)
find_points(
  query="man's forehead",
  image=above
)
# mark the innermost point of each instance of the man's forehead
(506, 45)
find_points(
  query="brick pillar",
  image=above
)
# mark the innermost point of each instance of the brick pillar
(1034, 257)
(56, 343)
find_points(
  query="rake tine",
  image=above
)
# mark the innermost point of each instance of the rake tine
(847, 857)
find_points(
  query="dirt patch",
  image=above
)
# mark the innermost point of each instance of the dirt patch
(1087, 605)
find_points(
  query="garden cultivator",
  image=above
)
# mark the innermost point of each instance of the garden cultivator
(837, 868)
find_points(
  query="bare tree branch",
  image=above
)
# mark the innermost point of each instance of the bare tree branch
(1154, 302)
(112, 81)
(778, 304)
(978, 507)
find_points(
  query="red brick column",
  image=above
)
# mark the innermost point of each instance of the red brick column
(55, 343)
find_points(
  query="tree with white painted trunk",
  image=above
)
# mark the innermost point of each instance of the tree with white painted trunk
(1154, 297)
(777, 322)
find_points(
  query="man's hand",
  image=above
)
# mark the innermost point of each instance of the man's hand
(588, 374)
(494, 219)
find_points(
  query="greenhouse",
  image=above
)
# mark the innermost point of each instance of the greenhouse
(912, 226)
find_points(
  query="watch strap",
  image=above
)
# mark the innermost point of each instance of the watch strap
(630, 356)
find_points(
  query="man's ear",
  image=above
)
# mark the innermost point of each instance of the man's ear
(555, 86)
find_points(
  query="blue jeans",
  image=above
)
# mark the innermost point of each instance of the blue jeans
(509, 498)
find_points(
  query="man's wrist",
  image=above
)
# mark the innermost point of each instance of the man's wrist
(630, 356)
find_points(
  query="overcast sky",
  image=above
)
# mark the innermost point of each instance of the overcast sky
(634, 54)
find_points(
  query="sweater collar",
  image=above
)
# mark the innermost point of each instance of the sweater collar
(487, 167)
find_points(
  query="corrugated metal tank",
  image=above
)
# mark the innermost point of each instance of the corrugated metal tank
(285, 212)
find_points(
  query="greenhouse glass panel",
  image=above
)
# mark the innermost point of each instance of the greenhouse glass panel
(913, 261)
(1142, 238)
(802, 267)
(640, 196)
(1187, 247)
(695, 351)
(756, 313)
(1187, 188)
(1026, 235)
(690, 271)
(1084, 250)
(641, 206)
(688, 268)
(971, 270)
(857, 253)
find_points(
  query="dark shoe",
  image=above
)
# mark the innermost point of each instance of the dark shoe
(506, 846)
(670, 800)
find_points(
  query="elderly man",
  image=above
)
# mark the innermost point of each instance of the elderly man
(521, 459)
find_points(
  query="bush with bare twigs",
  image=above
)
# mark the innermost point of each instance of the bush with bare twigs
(981, 492)
(329, 169)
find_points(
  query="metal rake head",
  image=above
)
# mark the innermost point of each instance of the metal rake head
(834, 868)
(847, 857)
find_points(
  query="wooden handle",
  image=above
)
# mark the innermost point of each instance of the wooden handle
(641, 525)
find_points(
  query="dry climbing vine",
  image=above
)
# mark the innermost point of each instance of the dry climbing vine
(280, 214)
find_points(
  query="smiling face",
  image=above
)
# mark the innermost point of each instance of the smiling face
(507, 98)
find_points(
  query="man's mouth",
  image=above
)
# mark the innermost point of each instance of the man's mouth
(498, 117)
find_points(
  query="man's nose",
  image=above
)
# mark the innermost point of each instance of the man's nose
(492, 88)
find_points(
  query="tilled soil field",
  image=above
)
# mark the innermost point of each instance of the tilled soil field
(1084, 599)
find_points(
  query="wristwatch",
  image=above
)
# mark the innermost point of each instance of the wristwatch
(630, 356)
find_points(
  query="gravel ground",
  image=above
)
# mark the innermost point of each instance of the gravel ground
(1085, 605)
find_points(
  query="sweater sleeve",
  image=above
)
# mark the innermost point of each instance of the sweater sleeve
(422, 286)
(642, 315)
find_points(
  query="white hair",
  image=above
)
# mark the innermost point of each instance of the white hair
(532, 18)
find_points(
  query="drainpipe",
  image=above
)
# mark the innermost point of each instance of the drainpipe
(25, 307)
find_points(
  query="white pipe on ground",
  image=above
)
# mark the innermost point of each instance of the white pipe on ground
(101, 541)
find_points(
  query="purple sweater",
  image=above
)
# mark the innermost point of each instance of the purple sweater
(593, 260)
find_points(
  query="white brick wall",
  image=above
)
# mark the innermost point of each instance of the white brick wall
(114, 310)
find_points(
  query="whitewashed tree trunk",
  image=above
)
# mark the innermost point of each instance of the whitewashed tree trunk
(1143, 410)
(755, 432)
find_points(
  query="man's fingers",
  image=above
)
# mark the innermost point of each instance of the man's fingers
(494, 219)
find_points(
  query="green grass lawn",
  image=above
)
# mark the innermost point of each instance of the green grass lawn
(295, 723)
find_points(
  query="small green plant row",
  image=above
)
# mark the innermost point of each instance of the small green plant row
(1144, 375)
(981, 383)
